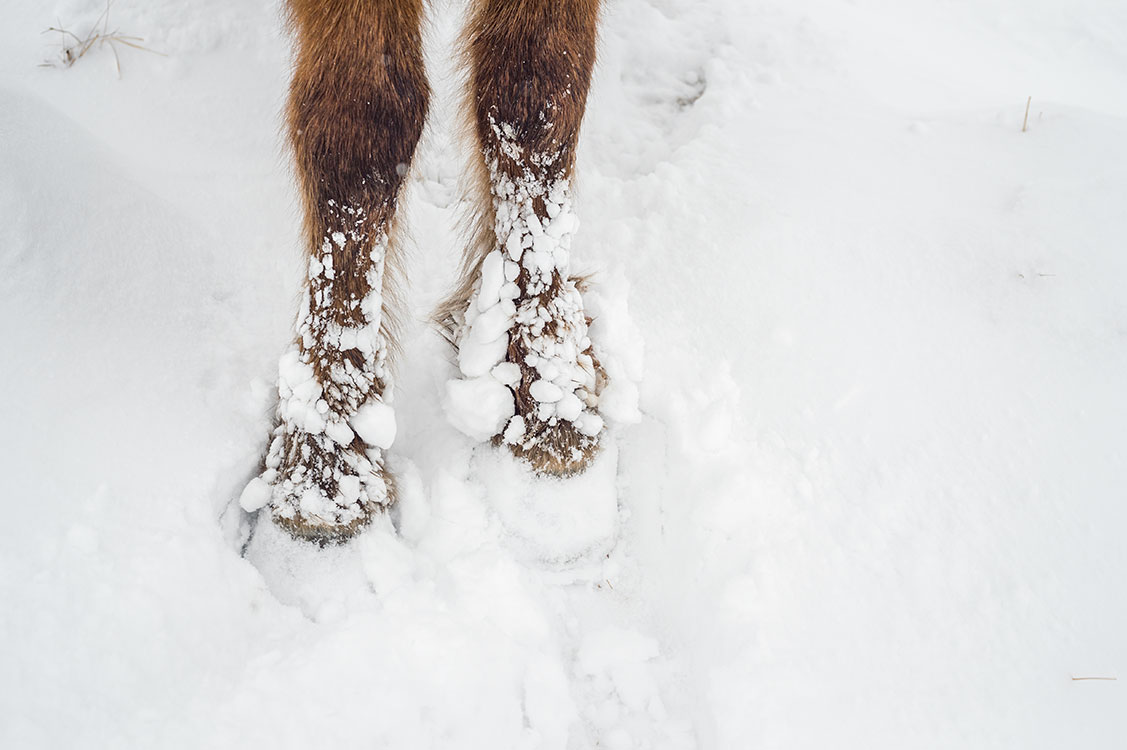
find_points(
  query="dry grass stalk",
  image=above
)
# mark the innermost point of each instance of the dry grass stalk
(74, 47)
(1025, 123)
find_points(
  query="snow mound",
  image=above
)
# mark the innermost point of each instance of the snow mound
(548, 520)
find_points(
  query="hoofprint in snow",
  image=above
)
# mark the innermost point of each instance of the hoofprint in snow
(551, 521)
(566, 528)
(541, 555)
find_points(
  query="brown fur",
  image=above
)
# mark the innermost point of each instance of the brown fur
(535, 49)
(532, 63)
(530, 66)
(357, 107)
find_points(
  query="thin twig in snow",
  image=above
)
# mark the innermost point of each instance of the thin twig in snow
(99, 35)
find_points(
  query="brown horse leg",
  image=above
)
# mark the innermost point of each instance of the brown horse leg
(521, 320)
(357, 104)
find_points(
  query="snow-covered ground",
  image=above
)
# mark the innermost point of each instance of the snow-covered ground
(874, 494)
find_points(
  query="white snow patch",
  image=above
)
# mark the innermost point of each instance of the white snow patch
(876, 493)
(589, 423)
(476, 358)
(479, 407)
(339, 432)
(549, 520)
(546, 391)
(507, 373)
(255, 495)
(514, 431)
(492, 279)
(375, 423)
(614, 647)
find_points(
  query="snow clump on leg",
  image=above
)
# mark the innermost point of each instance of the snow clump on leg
(324, 468)
(525, 329)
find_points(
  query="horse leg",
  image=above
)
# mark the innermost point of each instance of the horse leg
(356, 109)
(520, 317)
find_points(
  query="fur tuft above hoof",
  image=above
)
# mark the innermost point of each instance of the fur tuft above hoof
(557, 450)
(320, 533)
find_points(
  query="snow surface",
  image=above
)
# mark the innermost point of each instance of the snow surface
(873, 492)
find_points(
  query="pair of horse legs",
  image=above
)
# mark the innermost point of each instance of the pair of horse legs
(358, 102)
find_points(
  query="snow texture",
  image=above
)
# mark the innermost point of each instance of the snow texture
(374, 422)
(479, 407)
(863, 483)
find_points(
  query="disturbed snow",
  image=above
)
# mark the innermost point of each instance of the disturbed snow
(864, 486)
